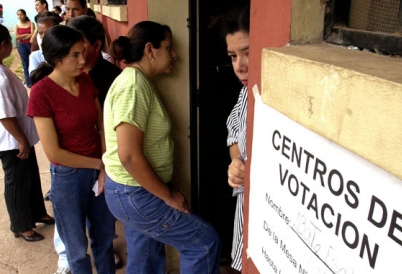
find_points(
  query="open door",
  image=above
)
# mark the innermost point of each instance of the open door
(214, 92)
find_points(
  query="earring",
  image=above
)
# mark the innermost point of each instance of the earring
(152, 60)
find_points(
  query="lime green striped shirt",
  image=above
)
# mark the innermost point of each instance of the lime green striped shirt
(132, 99)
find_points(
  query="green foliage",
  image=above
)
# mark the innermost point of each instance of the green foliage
(8, 61)
(19, 71)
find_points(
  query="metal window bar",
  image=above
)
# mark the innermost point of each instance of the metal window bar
(117, 2)
(374, 25)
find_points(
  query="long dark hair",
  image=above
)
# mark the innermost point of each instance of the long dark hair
(24, 13)
(130, 48)
(56, 45)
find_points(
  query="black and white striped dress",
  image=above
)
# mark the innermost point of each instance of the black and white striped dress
(236, 125)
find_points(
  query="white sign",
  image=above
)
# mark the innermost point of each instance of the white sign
(316, 207)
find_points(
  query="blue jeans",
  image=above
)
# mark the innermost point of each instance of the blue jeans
(76, 208)
(60, 249)
(149, 222)
(24, 50)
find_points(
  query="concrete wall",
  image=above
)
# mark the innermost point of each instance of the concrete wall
(352, 98)
(175, 88)
(307, 21)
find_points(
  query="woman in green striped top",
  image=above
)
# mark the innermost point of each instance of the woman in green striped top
(139, 161)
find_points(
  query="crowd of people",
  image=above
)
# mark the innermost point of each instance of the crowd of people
(106, 134)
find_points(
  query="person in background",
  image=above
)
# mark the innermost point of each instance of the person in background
(18, 135)
(95, 63)
(90, 12)
(68, 116)
(41, 7)
(37, 40)
(236, 32)
(63, 7)
(1, 14)
(23, 32)
(139, 162)
(57, 10)
(36, 57)
(76, 8)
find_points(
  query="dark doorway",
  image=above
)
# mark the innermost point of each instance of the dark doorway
(214, 92)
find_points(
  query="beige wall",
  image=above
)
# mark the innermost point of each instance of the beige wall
(174, 88)
(352, 98)
(307, 21)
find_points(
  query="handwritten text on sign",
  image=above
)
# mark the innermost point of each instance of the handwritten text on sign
(315, 207)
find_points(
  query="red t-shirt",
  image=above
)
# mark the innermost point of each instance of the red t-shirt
(74, 117)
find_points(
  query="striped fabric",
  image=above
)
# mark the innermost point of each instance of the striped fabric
(236, 125)
(237, 244)
(22, 190)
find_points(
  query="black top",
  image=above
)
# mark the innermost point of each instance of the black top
(103, 75)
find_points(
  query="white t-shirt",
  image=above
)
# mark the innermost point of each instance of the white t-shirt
(39, 41)
(13, 103)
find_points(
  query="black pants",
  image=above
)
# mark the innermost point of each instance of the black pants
(22, 191)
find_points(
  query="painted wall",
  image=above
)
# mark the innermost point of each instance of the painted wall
(10, 8)
(174, 88)
(269, 27)
(137, 10)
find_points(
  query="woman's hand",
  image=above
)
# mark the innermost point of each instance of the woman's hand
(177, 201)
(236, 173)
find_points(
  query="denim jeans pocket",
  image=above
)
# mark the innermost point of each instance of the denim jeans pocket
(62, 171)
(147, 206)
(115, 204)
(66, 182)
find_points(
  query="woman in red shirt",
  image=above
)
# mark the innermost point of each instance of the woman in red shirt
(23, 32)
(68, 116)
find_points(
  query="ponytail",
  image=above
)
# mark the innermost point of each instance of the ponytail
(44, 69)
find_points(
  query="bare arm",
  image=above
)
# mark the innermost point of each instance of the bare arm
(29, 35)
(236, 168)
(130, 150)
(33, 37)
(25, 36)
(55, 154)
(17, 36)
(12, 126)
